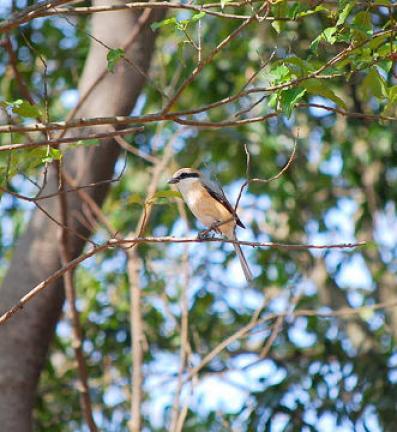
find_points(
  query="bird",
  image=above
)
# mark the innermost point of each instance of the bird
(208, 203)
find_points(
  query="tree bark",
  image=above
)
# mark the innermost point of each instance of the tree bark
(25, 339)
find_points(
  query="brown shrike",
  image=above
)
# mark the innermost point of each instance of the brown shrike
(208, 203)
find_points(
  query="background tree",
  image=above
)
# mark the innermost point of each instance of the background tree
(310, 346)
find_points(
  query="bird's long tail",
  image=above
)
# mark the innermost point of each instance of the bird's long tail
(244, 265)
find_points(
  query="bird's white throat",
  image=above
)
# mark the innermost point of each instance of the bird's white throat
(189, 188)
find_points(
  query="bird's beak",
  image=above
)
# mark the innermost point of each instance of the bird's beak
(172, 181)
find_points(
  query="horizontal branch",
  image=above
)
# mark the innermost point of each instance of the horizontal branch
(123, 120)
(30, 13)
(50, 8)
(143, 5)
(226, 123)
(83, 122)
(169, 239)
(130, 242)
(365, 116)
(57, 142)
(176, 117)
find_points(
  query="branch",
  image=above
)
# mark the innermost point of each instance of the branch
(214, 52)
(131, 242)
(29, 13)
(57, 142)
(151, 5)
(136, 31)
(36, 198)
(77, 334)
(13, 60)
(250, 180)
(84, 122)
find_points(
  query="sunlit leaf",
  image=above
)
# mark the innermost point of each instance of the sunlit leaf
(289, 98)
(113, 58)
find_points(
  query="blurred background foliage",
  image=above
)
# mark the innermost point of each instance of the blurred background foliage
(320, 373)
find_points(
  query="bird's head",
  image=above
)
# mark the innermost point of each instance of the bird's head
(185, 175)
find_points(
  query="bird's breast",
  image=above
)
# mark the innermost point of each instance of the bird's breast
(207, 210)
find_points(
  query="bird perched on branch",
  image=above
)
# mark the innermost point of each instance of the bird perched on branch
(208, 203)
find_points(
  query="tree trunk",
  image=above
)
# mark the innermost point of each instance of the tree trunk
(25, 339)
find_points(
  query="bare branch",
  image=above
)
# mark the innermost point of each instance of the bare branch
(29, 13)
(250, 180)
(130, 242)
(57, 142)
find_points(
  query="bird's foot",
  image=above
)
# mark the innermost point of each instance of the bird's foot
(204, 234)
(209, 232)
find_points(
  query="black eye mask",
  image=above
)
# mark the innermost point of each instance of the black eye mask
(183, 176)
(187, 175)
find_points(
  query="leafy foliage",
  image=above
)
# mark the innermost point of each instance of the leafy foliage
(341, 188)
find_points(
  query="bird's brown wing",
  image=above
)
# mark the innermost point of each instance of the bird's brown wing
(223, 200)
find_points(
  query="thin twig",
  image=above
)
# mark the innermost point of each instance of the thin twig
(210, 57)
(242, 332)
(66, 191)
(136, 31)
(91, 204)
(85, 400)
(13, 60)
(56, 142)
(250, 180)
(29, 13)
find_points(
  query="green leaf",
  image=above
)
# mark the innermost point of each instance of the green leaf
(278, 25)
(390, 107)
(273, 100)
(320, 88)
(289, 98)
(23, 108)
(293, 11)
(328, 35)
(179, 24)
(345, 13)
(26, 109)
(317, 9)
(167, 194)
(298, 66)
(197, 16)
(392, 93)
(52, 154)
(361, 26)
(279, 74)
(374, 85)
(113, 57)
(376, 42)
(156, 25)
(279, 10)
